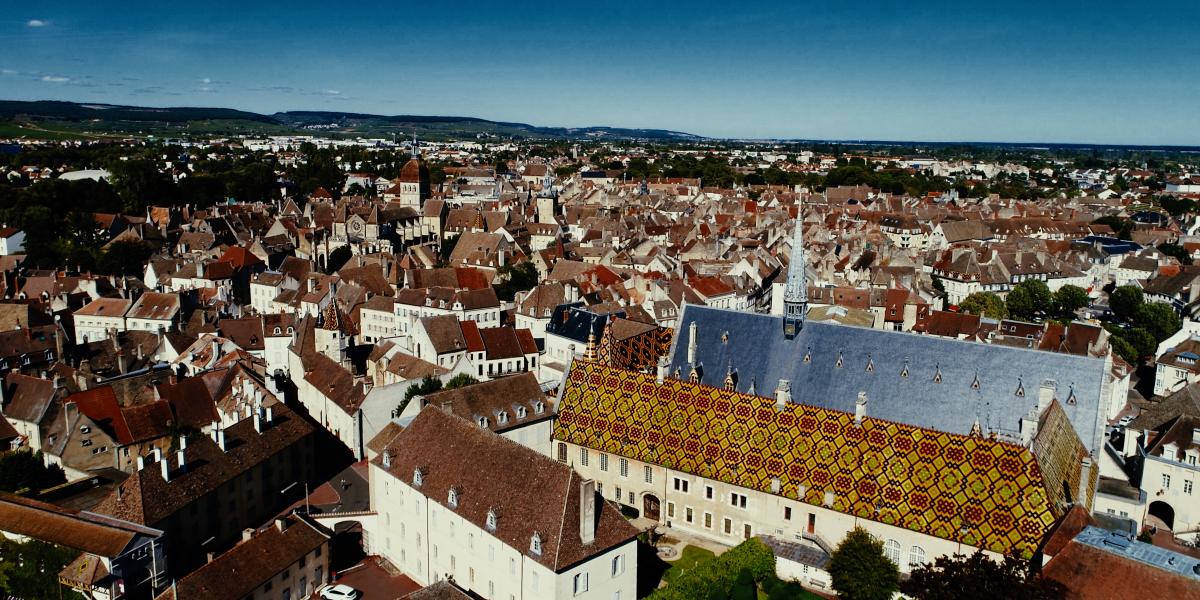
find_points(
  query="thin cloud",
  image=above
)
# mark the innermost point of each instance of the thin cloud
(8, 71)
(55, 79)
(36, 23)
(333, 92)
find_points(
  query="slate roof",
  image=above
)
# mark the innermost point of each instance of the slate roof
(927, 381)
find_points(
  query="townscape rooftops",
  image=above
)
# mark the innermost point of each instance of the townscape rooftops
(83, 531)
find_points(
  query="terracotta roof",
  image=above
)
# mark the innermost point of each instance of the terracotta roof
(528, 492)
(491, 398)
(239, 571)
(154, 305)
(105, 307)
(145, 498)
(81, 531)
(1094, 571)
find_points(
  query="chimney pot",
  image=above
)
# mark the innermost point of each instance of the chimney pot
(247, 533)
(587, 511)
(281, 524)
(141, 463)
(860, 408)
(783, 393)
(166, 470)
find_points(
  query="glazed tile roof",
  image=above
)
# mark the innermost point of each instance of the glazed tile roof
(981, 492)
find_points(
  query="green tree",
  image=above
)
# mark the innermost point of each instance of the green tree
(515, 278)
(428, 385)
(1158, 319)
(27, 471)
(124, 258)
(1122, 228)
(460, 380)
(860, 571)
(1029, 300)
(1176, 251)
(1125, 350)
(984, 303)
(30, 569)
(1125, 301)
(1070, 298)
(139, 183)
(949, 577)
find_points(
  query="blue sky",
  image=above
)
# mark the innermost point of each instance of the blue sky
(1065, 71)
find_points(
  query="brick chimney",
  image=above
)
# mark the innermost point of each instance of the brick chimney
(860, 408)
(587, 511)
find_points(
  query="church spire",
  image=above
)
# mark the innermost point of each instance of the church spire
(416, 153)
(795, 295)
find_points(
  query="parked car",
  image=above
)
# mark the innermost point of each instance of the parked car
(1125, 421)
(338, 592)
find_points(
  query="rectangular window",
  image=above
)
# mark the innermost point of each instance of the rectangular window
(583, 457)
(623, 467)
(648, 474)
(581, 583)
(670, 510)
(737, 500)
(618, 565)
(728, 526)
(1166, 480)
(708, 520)
(562, 452)
(681, 485)
(708, 492)
(603, 462)
(687, 515)
(787, 513)
(1187, 486)
(618, 494)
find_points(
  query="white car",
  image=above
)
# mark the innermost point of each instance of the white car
(1125, 421)
(338, 592)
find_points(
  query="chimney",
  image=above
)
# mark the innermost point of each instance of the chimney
(860, 409)
(121, 366)
(212, 432)
(158, 454)
(1085, 478)
(281, 524)
(587, 511)
(247, 533)
(221, 439)
(1046, 395)
(209, 556)
(783, 393)
(1029, 427)
(691, 347)
(270, 416)
(179, 456)
(141, 462)
(166, 470)
(663, 366)
(257, 422)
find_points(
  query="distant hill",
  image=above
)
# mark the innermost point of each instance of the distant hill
(74, 111)
(65, 118)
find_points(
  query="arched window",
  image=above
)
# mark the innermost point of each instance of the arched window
(891, 549)
(916, 556)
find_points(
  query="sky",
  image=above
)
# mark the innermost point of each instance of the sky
(1052, 71)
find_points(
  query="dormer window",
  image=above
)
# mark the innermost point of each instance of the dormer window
(483, 422)
(491, 520)
(418, 477)
(535, 544)
(278, 330)
(502, 418)
(539, 407)
(520, 412)
(452, 498)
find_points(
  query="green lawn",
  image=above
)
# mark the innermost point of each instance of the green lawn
(690, 557)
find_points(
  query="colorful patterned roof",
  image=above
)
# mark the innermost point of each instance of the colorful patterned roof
(981, 492)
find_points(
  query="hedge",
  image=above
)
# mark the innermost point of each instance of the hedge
(716, 577)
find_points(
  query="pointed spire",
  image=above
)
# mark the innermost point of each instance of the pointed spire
(795, 295)
(416, 153)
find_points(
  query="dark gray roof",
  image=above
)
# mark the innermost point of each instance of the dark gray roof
(759, 354)
(797, 552)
